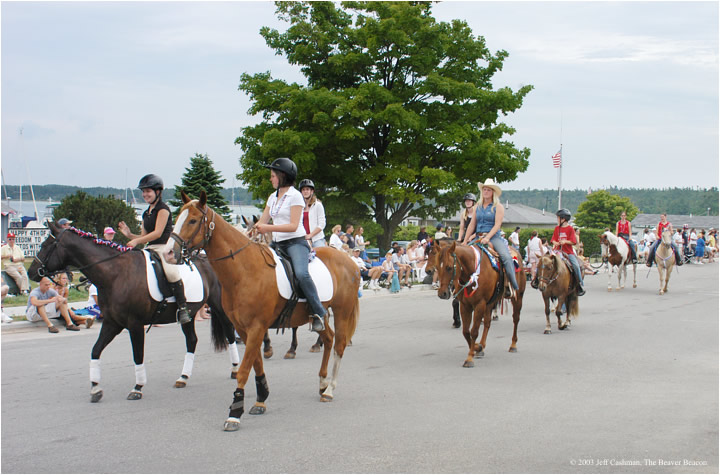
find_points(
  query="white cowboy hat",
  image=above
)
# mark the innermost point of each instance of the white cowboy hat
(490, 183)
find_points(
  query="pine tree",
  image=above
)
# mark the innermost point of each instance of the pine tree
(198, 177)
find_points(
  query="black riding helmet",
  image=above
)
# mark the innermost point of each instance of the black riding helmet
(306, 183)
(151, 181)
(564, 214)
(286, 166)
(470, 196)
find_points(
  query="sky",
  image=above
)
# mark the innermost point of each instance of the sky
(102, 93)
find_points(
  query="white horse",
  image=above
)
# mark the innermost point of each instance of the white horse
(618, 252)
(665, 260)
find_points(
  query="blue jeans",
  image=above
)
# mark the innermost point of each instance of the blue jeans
(576, 265)
(507, 261)
(299, 252)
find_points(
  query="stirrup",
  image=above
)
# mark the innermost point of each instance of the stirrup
(183, 316)
(317, 324)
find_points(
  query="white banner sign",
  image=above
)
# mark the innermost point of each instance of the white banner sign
(30, 239)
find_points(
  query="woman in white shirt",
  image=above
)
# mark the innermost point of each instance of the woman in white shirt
(313, 214)
(335, 240)
(285, 207)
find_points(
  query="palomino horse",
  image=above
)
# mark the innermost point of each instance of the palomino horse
(665, 260)
(252, 300)
(556, 282)
(456, 265)
(124, 298)
(618, 252)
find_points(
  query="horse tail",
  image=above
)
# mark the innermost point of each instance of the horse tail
(353, 320)
(573, 306)
(220, 328)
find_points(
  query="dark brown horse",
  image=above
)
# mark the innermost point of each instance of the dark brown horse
(556, 282)
(455, 266)
(125, 302)
(252, 301)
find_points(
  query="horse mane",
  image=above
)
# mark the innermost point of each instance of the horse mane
(102, 242)
(612, 239)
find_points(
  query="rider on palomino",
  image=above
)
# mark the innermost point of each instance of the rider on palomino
(563, 238)
(285, 207)
(155, 231)
(486, 221)
(663, 225)
(622, 229)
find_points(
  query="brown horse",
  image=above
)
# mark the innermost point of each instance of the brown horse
(455, 265)
(619, 255)
(556, 282)
(251, 299)
(665, 260)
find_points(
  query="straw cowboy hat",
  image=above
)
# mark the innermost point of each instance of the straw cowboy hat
(490, 183)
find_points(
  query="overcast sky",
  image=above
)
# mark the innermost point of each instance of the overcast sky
(105, 92)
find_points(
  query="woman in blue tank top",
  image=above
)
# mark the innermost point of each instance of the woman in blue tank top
(487, 220)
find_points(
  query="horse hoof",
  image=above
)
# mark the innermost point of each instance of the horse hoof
(231, 425)
(96, 396)
(134, 396)
(609, 289)
(456, 324)
(268, 353)
(512, 350)
(564, 327)
(180, 383)
(315, 348)
(258, 410)
(634, 286)
(325, 398)
(469, 364)
(322, 390)
(495, 318)
(547, 332)
(233, 375)
(479, 354)
(290, 355)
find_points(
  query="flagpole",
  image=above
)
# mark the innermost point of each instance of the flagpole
(560, 181)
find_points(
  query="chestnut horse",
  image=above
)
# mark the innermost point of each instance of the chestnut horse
(124, 298)
(455, 265)
(556, 282)
(665, 260)
(619, 256)
(251, 299)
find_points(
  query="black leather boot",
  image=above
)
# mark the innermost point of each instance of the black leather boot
(178, 290)
(534, 283)
(318, 323)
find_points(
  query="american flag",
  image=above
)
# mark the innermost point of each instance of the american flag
(557, 159)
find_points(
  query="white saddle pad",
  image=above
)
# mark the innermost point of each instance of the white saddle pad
(319, 273)
(192, 280)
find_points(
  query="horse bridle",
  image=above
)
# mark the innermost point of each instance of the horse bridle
(548, 281)
(41, 270)
(187, 252)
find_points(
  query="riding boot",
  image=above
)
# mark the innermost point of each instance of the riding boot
(178, 290)
(580, 290)
(318, 323)
(535, 283)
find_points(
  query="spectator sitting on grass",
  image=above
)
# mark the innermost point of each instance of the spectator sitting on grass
(45, 303)
(62, 287)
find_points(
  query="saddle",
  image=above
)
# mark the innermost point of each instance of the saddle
(295, 291)
(162, 282)
(159, 287)
(576, 278)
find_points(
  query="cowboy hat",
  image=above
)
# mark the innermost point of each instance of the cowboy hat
(490, 183)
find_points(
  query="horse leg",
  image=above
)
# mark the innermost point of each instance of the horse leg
(326, 389)
(634, 275)
(190, 345)
(251, 358)
(109, 330)
(558, 313)
(342, 340)
(611, 269)
(290, 355)
(456, 313)
(622, 276)
(548, 328)
(262, 390)
(466, 315)
(517, 306)
(317, 346)
(137, 340)
(486, 315)
(267, 347)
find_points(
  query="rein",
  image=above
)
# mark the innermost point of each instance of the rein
(42, 269)
(187, 252)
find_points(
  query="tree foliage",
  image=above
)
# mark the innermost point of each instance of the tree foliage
(202, 176)
(398, 109)
(94, 213)
(602, 209)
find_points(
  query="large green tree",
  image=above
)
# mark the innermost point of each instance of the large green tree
(202, 176)
(94, 213)
(602, 209)
(398, 113)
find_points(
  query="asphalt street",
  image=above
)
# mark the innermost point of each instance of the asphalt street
(631, 387)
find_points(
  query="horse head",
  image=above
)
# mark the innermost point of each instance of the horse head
(666, 238)
(51, 258)
(547, 271)
(193, 229)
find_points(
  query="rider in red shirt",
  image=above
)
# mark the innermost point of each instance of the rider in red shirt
(663, 225)
(563, 238)
(622, 229)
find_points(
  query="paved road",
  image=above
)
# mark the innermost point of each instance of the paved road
(630, 388)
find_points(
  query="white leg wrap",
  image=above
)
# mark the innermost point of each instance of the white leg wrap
(188, 366)
(234, 355)
(94, 371)
(140, 375)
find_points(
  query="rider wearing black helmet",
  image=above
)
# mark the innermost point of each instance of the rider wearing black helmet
(285, 207)
(313, 217)
(155, 232)
(466, 215)
(564, 238)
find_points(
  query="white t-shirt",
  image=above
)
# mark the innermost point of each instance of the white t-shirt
(535, 247)
(515, 239)
(92, 290)
(359, 241)
(360, 263)
(335, 241)
(280, 213)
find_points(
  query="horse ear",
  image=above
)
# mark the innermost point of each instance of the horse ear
(452, 247)
(185, 198)
(203, 199)
(255, 219)
(247, 225)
